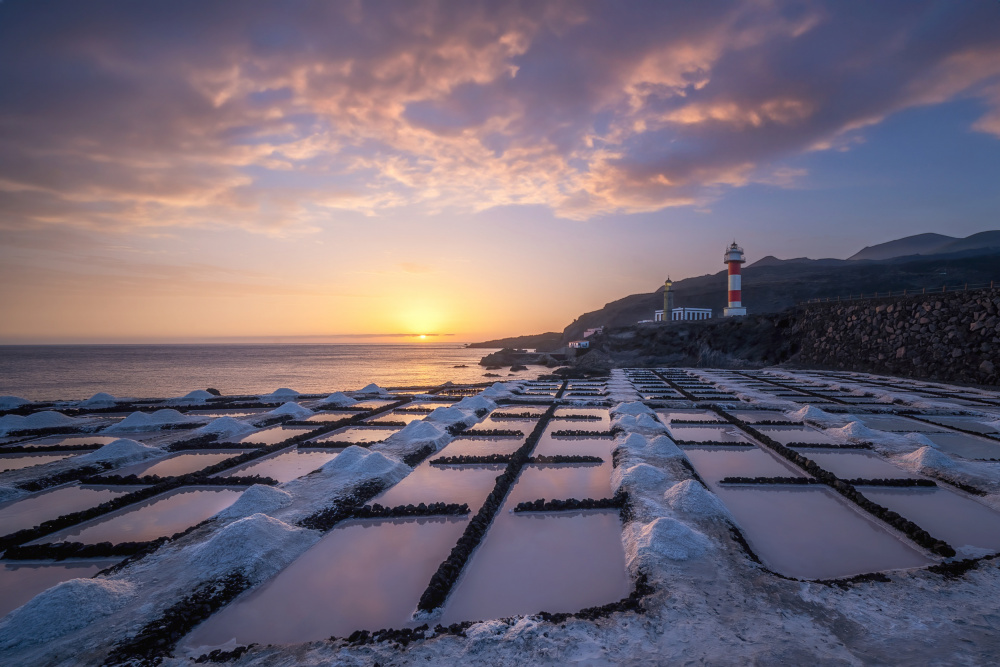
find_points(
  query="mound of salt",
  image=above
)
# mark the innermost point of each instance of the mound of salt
(814, 414)
(357, 464)
(282, 394)
(474, 403)
(258, 546)
(690, 497)
(141, 421)
(35, 421)
(663, 538)
(338, 400)
(100, 399)
(420, 431)
(224, 427)
(258, 499)
(11, 402)
(372, 390)
(853, 431)
(926, 457)
(632, 408)
(643, 423)
(500, 390)
(663, 446)
(196, 397)
(641, 477)
(449, 415)
(121, 450)
(289, 408)
(635, 442)
(65, 607)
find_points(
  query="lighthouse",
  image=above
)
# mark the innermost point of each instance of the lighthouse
(668, 299)
(734, 259)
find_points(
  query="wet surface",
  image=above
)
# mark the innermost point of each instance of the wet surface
(359, 434)
(810, 533)
(160, 516)
(716, 463)
(707, 434)
(479, 447)
(854, 464)
(360, 576)
(21, 461)
(275, 434)
(548, 446)
(40, 507)
(561, 481)
(898, 424)
(968, 446)
(687, 415)
(443, 484)
(285, 466)
(331, 416)
(179, 464)
(69, 441)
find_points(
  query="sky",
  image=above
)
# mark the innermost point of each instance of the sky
(359, 171)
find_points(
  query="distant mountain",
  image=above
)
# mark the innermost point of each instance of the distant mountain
(929, 244)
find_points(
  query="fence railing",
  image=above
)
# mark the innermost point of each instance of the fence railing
(943, 289)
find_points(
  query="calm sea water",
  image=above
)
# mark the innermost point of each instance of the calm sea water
(151, 371)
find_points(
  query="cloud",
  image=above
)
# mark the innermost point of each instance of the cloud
(120, 117)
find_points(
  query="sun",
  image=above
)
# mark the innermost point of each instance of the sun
(423, 336)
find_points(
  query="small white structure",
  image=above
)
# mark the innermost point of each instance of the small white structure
(579, 344)
(684, 314)
(590, 332)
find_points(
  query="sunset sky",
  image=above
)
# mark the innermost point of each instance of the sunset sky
(181, 171)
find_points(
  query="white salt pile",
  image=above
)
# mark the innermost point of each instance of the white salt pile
(815, 415)
(224, 427)
(11, 402)
(35, 421)
(647, 545)
(450, 415)
(643, 423)
(259, 546)
(664, 447)
(357, 464)
(638, 477)
(121, 450)
(416, 434)
(99, 400)
(289, 408)
(283, 394)
(142, 421)
(372, 390)
(196, 397)
(337, 400)
(926, 458)
(631, 408)
(690, 497)
(63, 608)
(258, 499)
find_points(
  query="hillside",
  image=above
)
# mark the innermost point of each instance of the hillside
(929, 244)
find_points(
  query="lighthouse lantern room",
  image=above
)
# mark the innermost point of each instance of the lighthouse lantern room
(734, 259)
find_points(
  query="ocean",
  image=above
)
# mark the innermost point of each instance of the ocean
(69, 372)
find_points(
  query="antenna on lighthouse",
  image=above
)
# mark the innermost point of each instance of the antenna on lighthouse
(734, 260)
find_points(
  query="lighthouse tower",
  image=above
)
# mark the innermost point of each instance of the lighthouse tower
(734, 259)
(668, 299)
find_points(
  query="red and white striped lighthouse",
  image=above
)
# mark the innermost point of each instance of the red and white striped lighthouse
(734, 259)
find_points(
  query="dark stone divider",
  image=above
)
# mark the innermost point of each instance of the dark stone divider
(563, 458)
(47, 449)
(447, 573)
(491, 433)
(712, 443)
(471, 460)
(542, 505)
(903, 525)
(566, 433)
(793, 481)
(377, 511)
(344, 507)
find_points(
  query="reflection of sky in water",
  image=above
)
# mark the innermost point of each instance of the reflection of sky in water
(787, 434)
(480, 446)
(359, 434)
(853, 464)
(443, 484)
(360, 576)
(562, 481)
(285, 466)
(180, 464)
(720, 462)
(157, 517)
(275, 434)
(707, 434)
(19, 582)
(966, 445)
(30, 512)
(811, 533)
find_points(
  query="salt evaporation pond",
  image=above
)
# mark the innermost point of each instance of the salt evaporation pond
(810, 533)
(160, 516)
(718, 462)
(479, 446)
(21, 581)
(428, 484)
(363, 575)
(537, 410)
(561, 481)
(405, 417)
(36, 509)
(331, 416)
(373, 404)
(549, 561)
(549, 446)
(756, 416)
(21, 461)
(967, 423)
(69, 441)
(275, 434)
(787, 435)
(687, 415)
(359, 435)
(707, 434)
(968, 446)
(899, 424)
(179, 464)
(854, 464)
(284, 466)
(226, 413)
(602, 413)
(948, 516)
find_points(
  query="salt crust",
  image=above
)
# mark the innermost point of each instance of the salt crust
(337, 399)
(450, 415)
(357, 464)
(664, 447)
(372, 390)
(258, 545)
(419, 431)
(11, 402)
(690, 497)
(814, 414)
(198, 396)
(224, 427)
(141, 421)
(289, 408)
(65, 607)
(634, 408)
(259, 498)
(122, 450)
(644, 423)
(648, 545)
(35, 421)
(927, 458)
(641, 476)
(474, 403)
(100, 399)
(280, 394)
(8, 493)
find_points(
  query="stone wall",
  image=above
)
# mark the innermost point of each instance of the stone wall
(950, 337)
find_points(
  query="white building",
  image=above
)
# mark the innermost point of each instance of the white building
(590, 332)
(579, 344)
(685, 314)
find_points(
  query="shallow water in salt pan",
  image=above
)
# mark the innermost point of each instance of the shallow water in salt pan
(479, 447)
(548, 446)
(73, 440)
(331, 416)
(716, 463)
(21, 461)
(810, 533)
(286, 466)
(707, 434)
(967, 423)
(363, 575)
(35, 509)
(898, 424)
(854, 464)
(531, 562)
(403, 417)
(159, 516)
(946, 515)
(687, 415)
(561, 481)
(443, 484)
(180, 464)
(968, 446)
(274, 435)
(359, 434)
(789, 434)
(19, 581)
